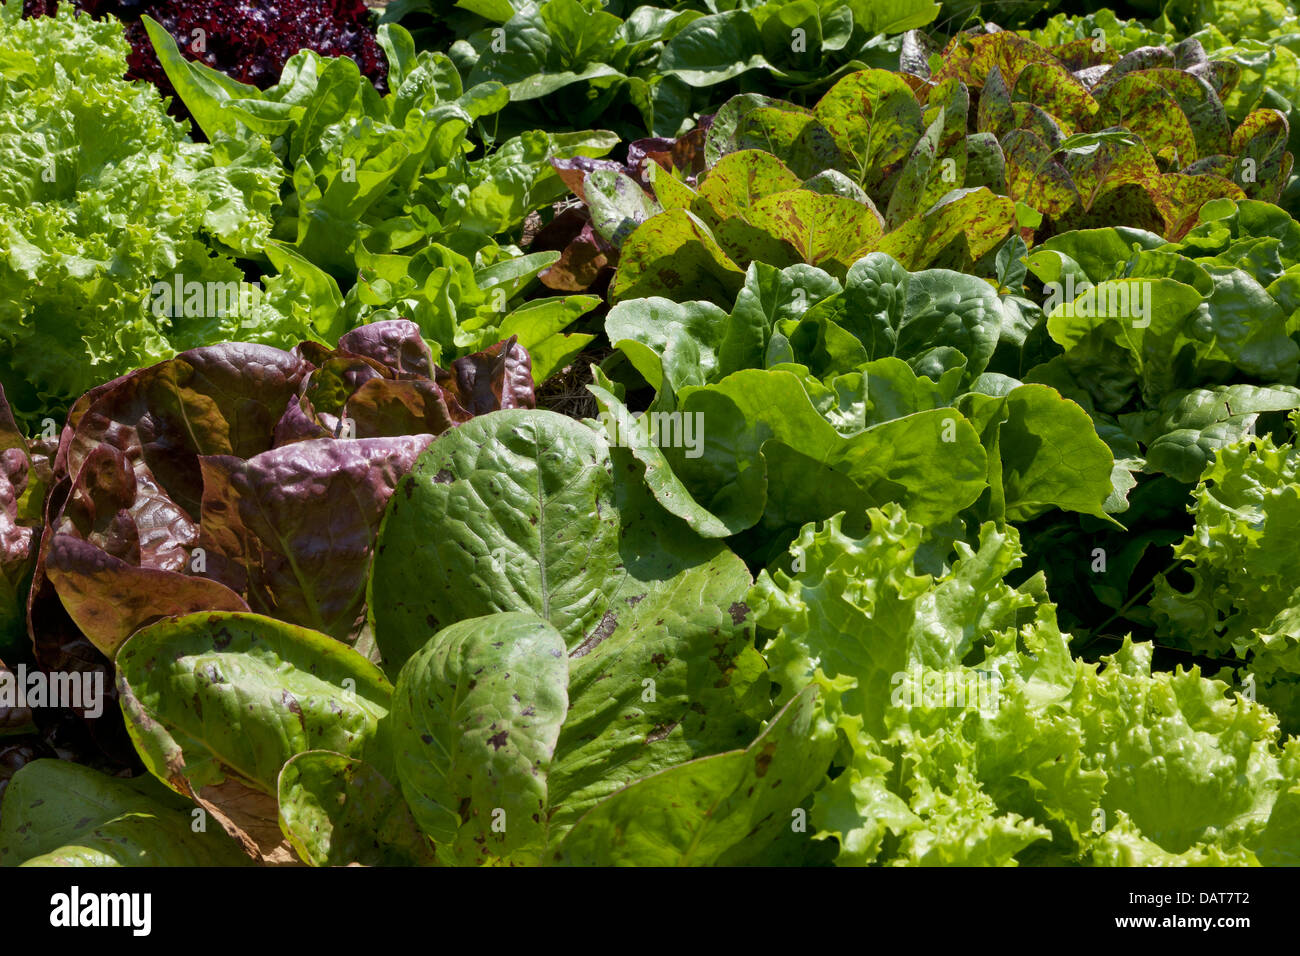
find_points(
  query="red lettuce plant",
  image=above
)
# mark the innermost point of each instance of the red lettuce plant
(249, 41)
(241, 477)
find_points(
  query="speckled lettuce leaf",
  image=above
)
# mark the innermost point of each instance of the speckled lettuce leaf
(531, 511)
(957, 230)
(718, 810)
(675, 254)
(231, 695)
(477, 715)
(338, 810)
(875, 120)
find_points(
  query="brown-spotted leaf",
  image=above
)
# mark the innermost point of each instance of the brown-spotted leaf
(995, 114)
(949, 100)
(803, 143)
(1052, 88)
(971, 58)
(875, 120)
(828, 231)
(1046, 127)
(1083, 53)
(1144, 58)
(985, 163)
(1263, 163)
(1144, 102)
(738, 181)
(1108, 167)
(1034, 177)
(1183, 196)
(676, 256)
(974, 219)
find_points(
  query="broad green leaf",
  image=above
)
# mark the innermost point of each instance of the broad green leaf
(58, 813)
(337, 810)
(1185, 430)
(477, 714)
(211, 696)
(934, 320)
(671, 344)
(659, 477)
(894, 461)
(721, 810)
(1046, 451)
(531, 511)
(892, 16)
(538, 325)
(497, 10)
(770, 295)
(714, 49)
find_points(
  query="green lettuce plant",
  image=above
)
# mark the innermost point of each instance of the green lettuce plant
(815, 396)
(102, 195)
(968, 735)
(648, 68)
(1241, 605)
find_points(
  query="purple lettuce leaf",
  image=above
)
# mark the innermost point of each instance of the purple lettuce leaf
(294, 528)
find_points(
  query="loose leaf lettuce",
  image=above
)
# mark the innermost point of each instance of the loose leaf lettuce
(969, 735)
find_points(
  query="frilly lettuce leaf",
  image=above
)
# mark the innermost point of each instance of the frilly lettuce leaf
(969, 735)
(1241, 605)
(102, 195)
